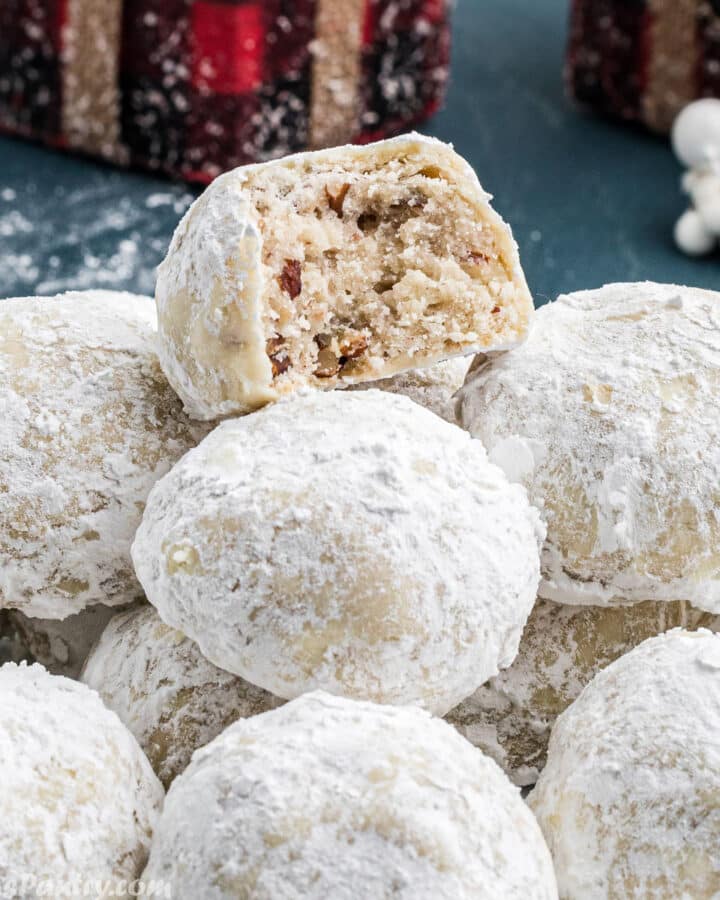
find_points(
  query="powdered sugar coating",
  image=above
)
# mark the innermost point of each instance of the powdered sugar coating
(562, 649)
(608, 415)
(215, 288)
(434, 387)
(328, 797)
(89, 424)
(170, 697)
(352, 542)
(628, 800)
(79, 799)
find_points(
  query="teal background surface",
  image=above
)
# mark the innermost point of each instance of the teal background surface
(590, 201)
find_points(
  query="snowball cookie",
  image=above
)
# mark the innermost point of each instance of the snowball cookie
(628, 800)
(609, 416)
(562, 649)
(334, 267)
(329, 797)
(79, 800)
(433, 388)
(62, 645)
(351, 542)
(89, 423)
(170, 697)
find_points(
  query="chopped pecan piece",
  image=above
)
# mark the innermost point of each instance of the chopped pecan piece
(328, 364)
(290, 279)
(337, 201)
(476, 257)
(323, 340)
(278, 355)
(368, 221)
(352, 347)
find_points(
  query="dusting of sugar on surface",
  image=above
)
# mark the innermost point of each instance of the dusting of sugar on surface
(78, 798)
(628, 800)
(608, 414)
(416, 561)
(102, 231)
(329, 798)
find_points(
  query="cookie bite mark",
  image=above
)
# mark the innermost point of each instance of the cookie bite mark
(365, 262)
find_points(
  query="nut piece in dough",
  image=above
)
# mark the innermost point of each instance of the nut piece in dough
(332, 268)
(79, 799)
(170, 697)
(333, 798)
(628, 800)
(562, 649)
(434, 387)
(61, 645)
(89, 423)
(608, 414)
(352, 542)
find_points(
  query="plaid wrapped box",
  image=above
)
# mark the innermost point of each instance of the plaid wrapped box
(195, 87)
(644, 60)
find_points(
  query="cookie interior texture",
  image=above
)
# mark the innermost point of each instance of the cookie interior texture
(335, 268)
(372, 265)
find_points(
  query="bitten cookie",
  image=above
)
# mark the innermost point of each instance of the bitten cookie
(628, 800)
(562, 649)
(170, 697)
(89, 423)
(353, 542)
(609, 416)
(79, 800)
(331, 798)
(334, 267)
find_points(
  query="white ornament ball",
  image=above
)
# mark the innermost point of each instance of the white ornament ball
(710, 212)
(696, 133)
(332, 799)
(692, 235)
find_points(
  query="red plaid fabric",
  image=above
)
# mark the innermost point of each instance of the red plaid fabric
(643, 60)
(206, 85)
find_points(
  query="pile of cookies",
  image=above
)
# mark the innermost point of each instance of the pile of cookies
(363, 486)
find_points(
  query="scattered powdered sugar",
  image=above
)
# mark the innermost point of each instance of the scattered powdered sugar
(608, 414)
(170, 697)
(78, 795)
(349, 541)
(628, 799)
(328, 797)
(110, 234)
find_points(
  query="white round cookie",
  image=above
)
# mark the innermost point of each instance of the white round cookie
(328, 797)
(562, 648)
(79, 800)
(609, 416)
(89, 424)
(434, 387)
(350, 542)
(61, 645)
(628, 800)
(333, 268)
(170, 697)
